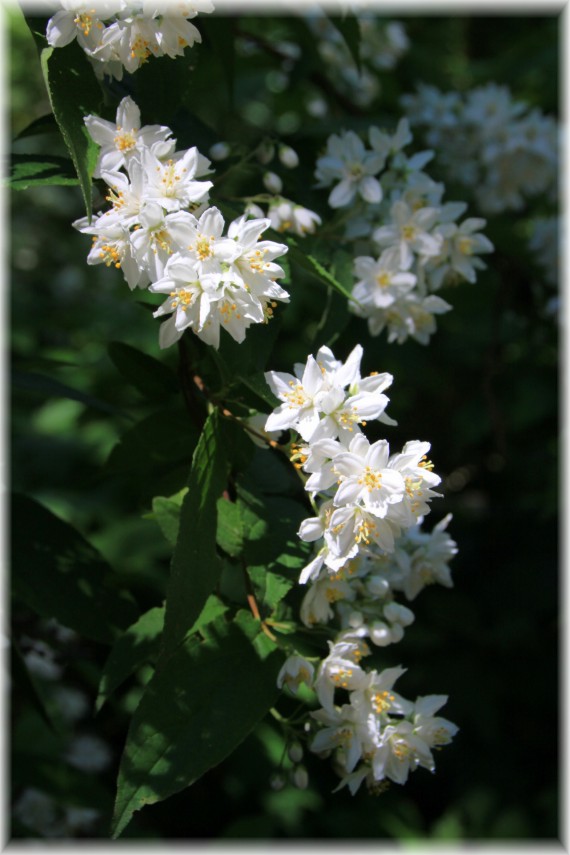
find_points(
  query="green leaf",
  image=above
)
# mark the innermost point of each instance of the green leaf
(196, 566)
(43, 125)
(349, 29)
(270, 587)
(237, 522)
(151, 378)
(140, 645)
(195, 711)
(32, 170)
(166, 511)
(58, 574)
(49, 387)
(136, 647)
(73, 93)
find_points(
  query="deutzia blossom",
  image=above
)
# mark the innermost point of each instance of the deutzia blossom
(296, 670)
(286, 216)
(410, 232)
(217, 283)
(126, 137)
(123, 35)
(347, 161)
(316, 402)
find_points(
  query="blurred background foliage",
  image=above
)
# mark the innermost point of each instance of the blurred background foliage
(484, 393)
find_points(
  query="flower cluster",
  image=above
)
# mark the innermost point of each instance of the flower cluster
(117, 35)
(161, 233)
(415, 241)
(381, 47)
(371, 509)
(489, 142)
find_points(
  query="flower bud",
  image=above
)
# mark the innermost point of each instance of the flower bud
(219, 151)
(380, 634)
(276, 782)
(288, 156)
(301, 778)
(295, 752)
(265, 152)
(272, 182)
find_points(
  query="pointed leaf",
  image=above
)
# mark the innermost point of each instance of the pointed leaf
(196, 566)
(58, 574)
(195, 711)
(32, 170)
(140, 645)
(73, 93)
(153, 379)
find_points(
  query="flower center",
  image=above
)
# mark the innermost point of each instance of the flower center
(382, 701)
(297, 396)
(465, 246)
(383, 279)
(125, 140)
(371, 479)
(204, 247)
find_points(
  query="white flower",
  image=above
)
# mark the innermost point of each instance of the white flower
(381, 281)
(300, 396)
(112, 246)
(340, 670)
(122, 140)
(365, 477)
(410, 232)
(158, 236)
(295, 670)
(210, 252)
(286, 216)
(416, 470)
(353, 527)
(434, 731)
(78, 19)
(347, 160)
(401, 751)
(254, 266)
(411, 315)
(173, 183)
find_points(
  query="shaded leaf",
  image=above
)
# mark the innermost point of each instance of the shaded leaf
(32, 170)
(58, 574)
(195, 711)
(151, 378)
(196, 566)
(166, 511)
(49, 387)
(73, 93)
(140, 645)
